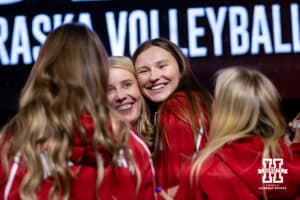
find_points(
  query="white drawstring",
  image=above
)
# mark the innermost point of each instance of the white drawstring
(14, 169)
(122, 161)
(12, 175)
(45, 163)
(198, 140)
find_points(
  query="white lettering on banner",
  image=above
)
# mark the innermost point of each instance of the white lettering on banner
(195, 32)
(279, 46)
(173, 28)
(117, 34)
(154, 23)
(6, 2)
(137, 19)
(253, 34)
(20, 41)
(238, 25)
(42, 24)
(216, 23)
(295, 27)
(3, 37)
(138, 29)
(260, 31)
(199, 31)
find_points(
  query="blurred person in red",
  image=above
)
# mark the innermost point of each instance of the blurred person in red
(245, 156)
(65, 142)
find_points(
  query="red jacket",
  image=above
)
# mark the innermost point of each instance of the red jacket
(143, 159)
(235, 172)
(177, 141)
(118, 183)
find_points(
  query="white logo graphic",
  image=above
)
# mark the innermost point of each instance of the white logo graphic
(272, 170)
(4, 2)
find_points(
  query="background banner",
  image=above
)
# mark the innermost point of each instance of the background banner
(213, 35)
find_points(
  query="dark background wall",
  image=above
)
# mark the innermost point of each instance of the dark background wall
(214, 35)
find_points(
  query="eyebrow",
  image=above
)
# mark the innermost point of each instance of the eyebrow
(157, 62)
(143, 66)
(127, 80)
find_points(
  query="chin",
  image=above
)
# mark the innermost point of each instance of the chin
(159, 100)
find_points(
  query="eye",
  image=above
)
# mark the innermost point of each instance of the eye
(143, 70)
(126, 84)
(162, 66)
(110, 89)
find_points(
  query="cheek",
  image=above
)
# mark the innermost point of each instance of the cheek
(142, 80)
(135, 92)
(110, 98)
(172, 74)
(139, 105)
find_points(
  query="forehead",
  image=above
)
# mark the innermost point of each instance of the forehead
(154, 54)
(118, 75)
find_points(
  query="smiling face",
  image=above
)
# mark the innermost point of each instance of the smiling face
(157, 73)
(124, 94)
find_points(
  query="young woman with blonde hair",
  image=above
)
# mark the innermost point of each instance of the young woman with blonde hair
(124, 96)
(65, 142)
(245, 157)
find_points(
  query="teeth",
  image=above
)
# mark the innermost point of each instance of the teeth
(124, 107)
(157, 87)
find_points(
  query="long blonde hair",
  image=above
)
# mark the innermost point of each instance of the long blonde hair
(246, 103)
(144, 125)
(68, 78)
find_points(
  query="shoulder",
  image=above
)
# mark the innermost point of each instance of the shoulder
(177, 100)
(182, 101)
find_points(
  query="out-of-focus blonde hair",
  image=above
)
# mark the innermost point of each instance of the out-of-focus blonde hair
(144, 126)
(69, 77)
(246, 103)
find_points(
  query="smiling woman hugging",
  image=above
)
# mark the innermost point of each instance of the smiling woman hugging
(125, 97)
(180, 108)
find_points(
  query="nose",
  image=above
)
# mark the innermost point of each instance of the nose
(154, 75)
(120, 95)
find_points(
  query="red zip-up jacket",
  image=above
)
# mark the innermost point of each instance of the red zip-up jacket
(178, 144)
(235, 172)
(118, 183)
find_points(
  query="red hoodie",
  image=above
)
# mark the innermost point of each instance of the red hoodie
(235, 172)
(177, 140)
(118, 183)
